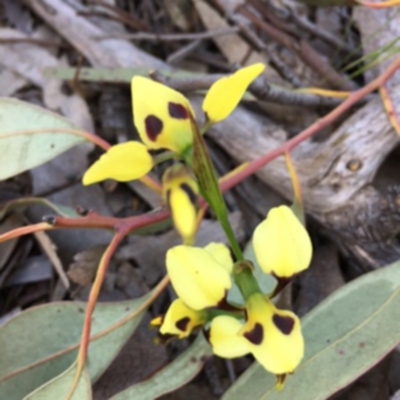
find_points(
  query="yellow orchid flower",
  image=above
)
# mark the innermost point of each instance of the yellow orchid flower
(281, 244)
(180, 192)
(225, 94)
(273, 336)
(200, 277)
(180, 320)
(123, 162)
(162, 116)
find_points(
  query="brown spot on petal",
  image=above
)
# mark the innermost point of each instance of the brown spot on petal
(190, 193)
(284, 324)
(182, 323)
(256, 335)
(153, 126)
(224, 305)
(177, 111)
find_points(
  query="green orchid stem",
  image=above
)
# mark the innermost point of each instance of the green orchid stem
(211, 314)
(226, 226)
(160, 158)
(244, 279)
(206, 126)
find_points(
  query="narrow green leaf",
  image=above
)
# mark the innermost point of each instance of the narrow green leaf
(58, 387)
(209, 187)
(16, 204)
(345, 336)
(108, 75)
(172, 377)
(20, 149)
(41, 343)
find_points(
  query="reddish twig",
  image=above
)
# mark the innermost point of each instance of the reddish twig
(90, 305)
(323, 122)
(378, 6)
(390, 111)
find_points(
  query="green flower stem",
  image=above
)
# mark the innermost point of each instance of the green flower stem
(211, 314)
(226, 226)
(245, 280)
(165, 156)
(205, 127)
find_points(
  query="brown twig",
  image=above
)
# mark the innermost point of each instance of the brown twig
(317, 31)
(303, 50)
(170, 37)
(274, 60)
(183, 52)
(390, 111)
(39, 42)
(122, 16)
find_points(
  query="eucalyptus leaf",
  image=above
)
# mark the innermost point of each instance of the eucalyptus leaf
(182, 370)
(347, 334)
(58, 387)
(41, 343)
(20, 148)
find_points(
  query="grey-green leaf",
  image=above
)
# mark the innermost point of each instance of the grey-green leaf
(345, 335)
(172, 377)
(41, 343)
(20, 148)
(58, 387)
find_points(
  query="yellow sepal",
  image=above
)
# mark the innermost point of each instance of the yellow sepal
(162, 116)
(180, 192)
(197, 277)
(281, 244)
(123, 162)
(180, 320)
(225, 94)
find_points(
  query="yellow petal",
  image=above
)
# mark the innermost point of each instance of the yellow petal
(225, 94)
(197, 278)
(274, 336)
(281, 244)
(162, 116)
(183, 214)
(123, 162)
(221, 254)
(180, 320)
(225, 339)
(180, 192)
